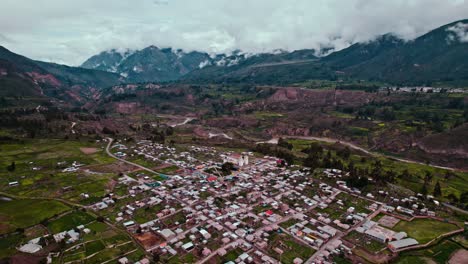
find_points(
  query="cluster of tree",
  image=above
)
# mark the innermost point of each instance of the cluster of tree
(122, 97)
(358, 87)
(284, 144)
(159, 134)
(276, 151)
(226, 168)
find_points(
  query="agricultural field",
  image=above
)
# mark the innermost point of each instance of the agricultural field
(291, 249)
(8, 244)
(69, 221)
(143, 215)
(101, 245)
(39, 169)
(32, 212)
(439, 253)
(361, 240)
(424, 230)
(336, 211)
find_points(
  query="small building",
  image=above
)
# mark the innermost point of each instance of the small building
(403, 243)
(13, 183)
(167, 233)
(30, 248)
(188, 246)
(129, 223)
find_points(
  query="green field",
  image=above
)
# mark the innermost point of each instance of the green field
(424, 230)
(103, 244)
(24, 213)
(93, 247)
(143, 215)
(290, 247)
(39, 174)
(69, 221)
(364, 241)
(439, 253)
(8, 244)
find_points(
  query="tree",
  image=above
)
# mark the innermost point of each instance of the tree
(344, 153)
(464, 197)
(437, 190)
(312, 161)
(428, 177)
(453, 198)
(424, 188)
(314, 148)
(284, 144)
(156, 257)
(227, 167)
(11, 167)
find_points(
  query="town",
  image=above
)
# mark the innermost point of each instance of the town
(221, 206)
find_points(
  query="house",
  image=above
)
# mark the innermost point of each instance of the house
(124, 260)
(376, 235)
(129, 223)
(30, 248)
(399, 244)
(188, 246)
(167, 233)
(13, 183)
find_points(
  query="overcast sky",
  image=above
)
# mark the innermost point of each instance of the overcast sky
(69, 32)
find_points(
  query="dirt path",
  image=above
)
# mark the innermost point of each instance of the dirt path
(125, 161)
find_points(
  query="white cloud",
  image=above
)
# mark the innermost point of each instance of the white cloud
(71, 31)
(461, 32)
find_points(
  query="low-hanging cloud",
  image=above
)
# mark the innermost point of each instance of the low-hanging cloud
(461, 32)
(69, 32)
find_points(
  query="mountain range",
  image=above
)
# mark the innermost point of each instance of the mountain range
(21, 76)
(440, 56)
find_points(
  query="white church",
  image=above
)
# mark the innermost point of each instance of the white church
(237, 159)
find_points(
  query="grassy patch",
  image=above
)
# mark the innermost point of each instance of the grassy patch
(24, 213)
(93, 247)
(169, 169)
(267, 115)
(424, 230)
(364, 241)
(97, 227)
(288, 223)
(143, 215)
(8, 244)
(69, 221)
(439, 253)
(290, 247)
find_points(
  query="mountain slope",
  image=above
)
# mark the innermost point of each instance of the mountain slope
(13, 82)
(106, 60)
(59, 81)
(149, 64)
(271, 68)
(361, 52)
(438, 56)
(153, 64)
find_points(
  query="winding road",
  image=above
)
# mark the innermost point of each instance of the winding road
(123, 160)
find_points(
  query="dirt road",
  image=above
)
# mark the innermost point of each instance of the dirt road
(123, 160)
